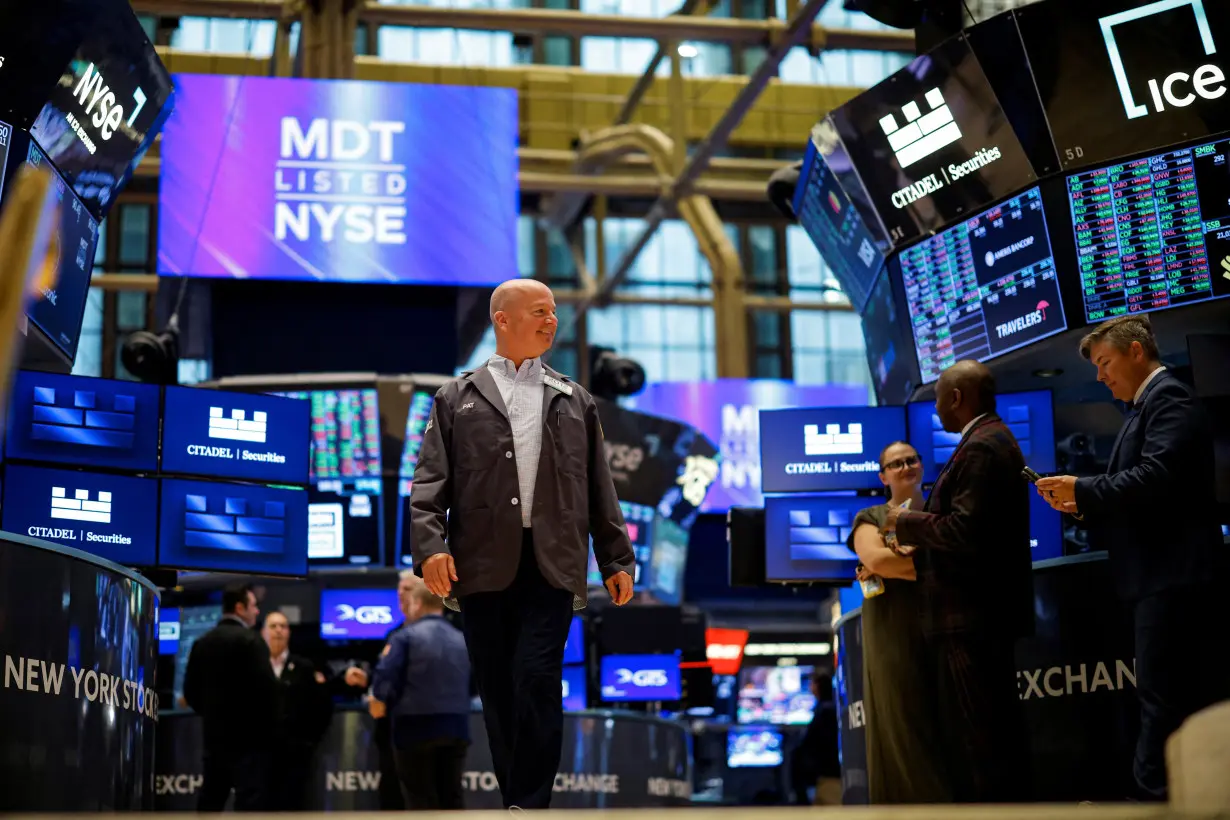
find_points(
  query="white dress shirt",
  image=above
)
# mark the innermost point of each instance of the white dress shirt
(965, 430)
(522, 388)
(1140, 391)
(279, 663)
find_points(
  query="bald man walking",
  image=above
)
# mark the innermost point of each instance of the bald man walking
(512, 481)
(976, 575)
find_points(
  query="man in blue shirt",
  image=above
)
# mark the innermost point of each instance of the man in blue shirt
(424, 680)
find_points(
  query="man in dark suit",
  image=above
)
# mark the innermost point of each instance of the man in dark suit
(511, 482)
(306, 711)
(1154, 511)
(230, 684)
(975, 573)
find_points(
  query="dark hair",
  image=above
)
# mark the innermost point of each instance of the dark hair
(233, 596)
(891, 446)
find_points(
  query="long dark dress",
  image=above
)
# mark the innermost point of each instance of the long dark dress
(902, 728)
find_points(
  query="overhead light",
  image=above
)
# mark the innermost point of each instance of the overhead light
(1048, 372)
(687, 51)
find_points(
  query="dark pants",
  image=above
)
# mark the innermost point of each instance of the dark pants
(1181, 667)
(516, 640)
(290, 775)
(986, 747)
(389, 793)
(244, 770)
(430, 774)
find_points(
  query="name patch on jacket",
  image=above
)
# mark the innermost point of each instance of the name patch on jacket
(551, 381)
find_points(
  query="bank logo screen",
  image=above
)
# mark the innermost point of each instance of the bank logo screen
(247, 436)
(78, 420)
(823, 449)
(111, 516)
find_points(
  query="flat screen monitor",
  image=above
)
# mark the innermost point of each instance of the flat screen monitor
(83, 421)
(61, 309)
(890, 346)
(110, 102)
(1121, 77)
(753, 747)
(1153, 233)
(352, 614)
(639, 519)
(6, 142)
(339, 180)
(168, 630)
(640, 678)
(574, 689)
(805, 537)
(416, 425)
(983, 288)
(668, 561)
(780, 695)
(574, 646)
(214, 526)
(194, 621)
(346, 488)
(246, 436)
(835, 227)
(111, 516)
(931, 143)
(825, 449)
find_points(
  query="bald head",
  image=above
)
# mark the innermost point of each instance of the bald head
(508, 295)
(523, 315)
(964, 392)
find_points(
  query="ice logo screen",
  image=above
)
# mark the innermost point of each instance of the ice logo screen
(923, 134)
(1179, 89)
(358, 613)
(79, 507)
(832, 442)
(236, 428)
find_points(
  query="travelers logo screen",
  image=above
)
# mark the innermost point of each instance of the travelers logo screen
(351, 614)
(339, 180)
(816, 450)
(113, 517)
(78, 420)
(236, 435)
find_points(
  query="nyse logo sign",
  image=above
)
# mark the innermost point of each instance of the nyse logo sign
(365, 614)
(644, 678)
(80, 507)
(1179, 89)
(832, 442)
(923, 134)
(101, 107)
(237, 427)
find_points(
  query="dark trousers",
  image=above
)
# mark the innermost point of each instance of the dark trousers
(290, 776)
(1181, 667)
(430, 774)
(985, 743)
(516, 640)
(389, 793)
(244, 770)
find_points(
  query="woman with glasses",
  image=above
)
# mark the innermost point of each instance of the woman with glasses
(902, 766)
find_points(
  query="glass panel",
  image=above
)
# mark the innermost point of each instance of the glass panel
(762, 243)
(557, 50)
(767, 366)
(753, 56)
(100, 251)
(767, 328)
(89, 349)
(221, 36)
(134, 234)
(442, 46)
(130, 310)
(525, 245)
(193, 371)
(615, 55)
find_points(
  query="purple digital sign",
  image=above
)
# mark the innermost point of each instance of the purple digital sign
(728, 412)
(350, 614)
(339, 180)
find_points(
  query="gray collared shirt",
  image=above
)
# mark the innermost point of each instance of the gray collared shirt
(522, 392)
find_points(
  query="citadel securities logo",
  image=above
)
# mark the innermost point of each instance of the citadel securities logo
(1035, 317)
(832, 442)
(80, 507)
(1179, 89)
(365, 614)
(337, 178)
(237, 428)
(923, 134)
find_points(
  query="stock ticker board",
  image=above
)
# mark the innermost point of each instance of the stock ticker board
(1155, 232)
(984, 287)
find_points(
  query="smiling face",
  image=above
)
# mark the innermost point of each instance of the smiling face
(1121, 370)
(901, 470)
(524, 318)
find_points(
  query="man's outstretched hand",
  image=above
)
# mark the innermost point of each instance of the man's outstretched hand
(439, 573)
(618, 586)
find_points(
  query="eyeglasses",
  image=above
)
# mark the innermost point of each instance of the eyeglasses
(902, 464)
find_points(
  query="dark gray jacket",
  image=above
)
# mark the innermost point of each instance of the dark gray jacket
(461, 501)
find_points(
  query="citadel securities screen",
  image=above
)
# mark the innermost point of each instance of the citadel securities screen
(1121, 77)
(113, 517)
(805, 537)
(240, 528)
(235, 435)
(79, 420)
(339, 180)
(931, 143)
(984, 287)
(358, 613)
(818, 450)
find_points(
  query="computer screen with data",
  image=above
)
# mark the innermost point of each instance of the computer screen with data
(416, 426)
(640, 521)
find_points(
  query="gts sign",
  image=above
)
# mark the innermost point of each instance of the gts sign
(644, 678)
(100, 105)
(365, 614)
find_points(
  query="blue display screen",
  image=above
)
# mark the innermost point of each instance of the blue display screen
(574, 647)
(640, 677)
(358, 613)
(574, 689)
(113, 517)
(168, 630)
(753, 747)
(214, 526)
(805, 537)
(78, 420)
(824, 449)
(247, 436)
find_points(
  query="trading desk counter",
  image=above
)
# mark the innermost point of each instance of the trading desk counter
(610, 760)
(79, 640)
(1076, 679)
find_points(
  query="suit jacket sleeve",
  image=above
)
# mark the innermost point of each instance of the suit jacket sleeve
(1171, 422)
(606, 521)
(954, 531)
(431, 493)
(390, 673)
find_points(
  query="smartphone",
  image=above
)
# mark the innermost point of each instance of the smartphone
(1030, 476)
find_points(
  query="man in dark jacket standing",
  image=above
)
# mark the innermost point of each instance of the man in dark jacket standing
(424, 679)
(512, 481)
(230, 683)
(1155, 512)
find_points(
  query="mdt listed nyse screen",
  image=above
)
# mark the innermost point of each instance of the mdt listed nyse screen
(339, 180)
(1155, 232)
(823, 449)
(984, 287)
